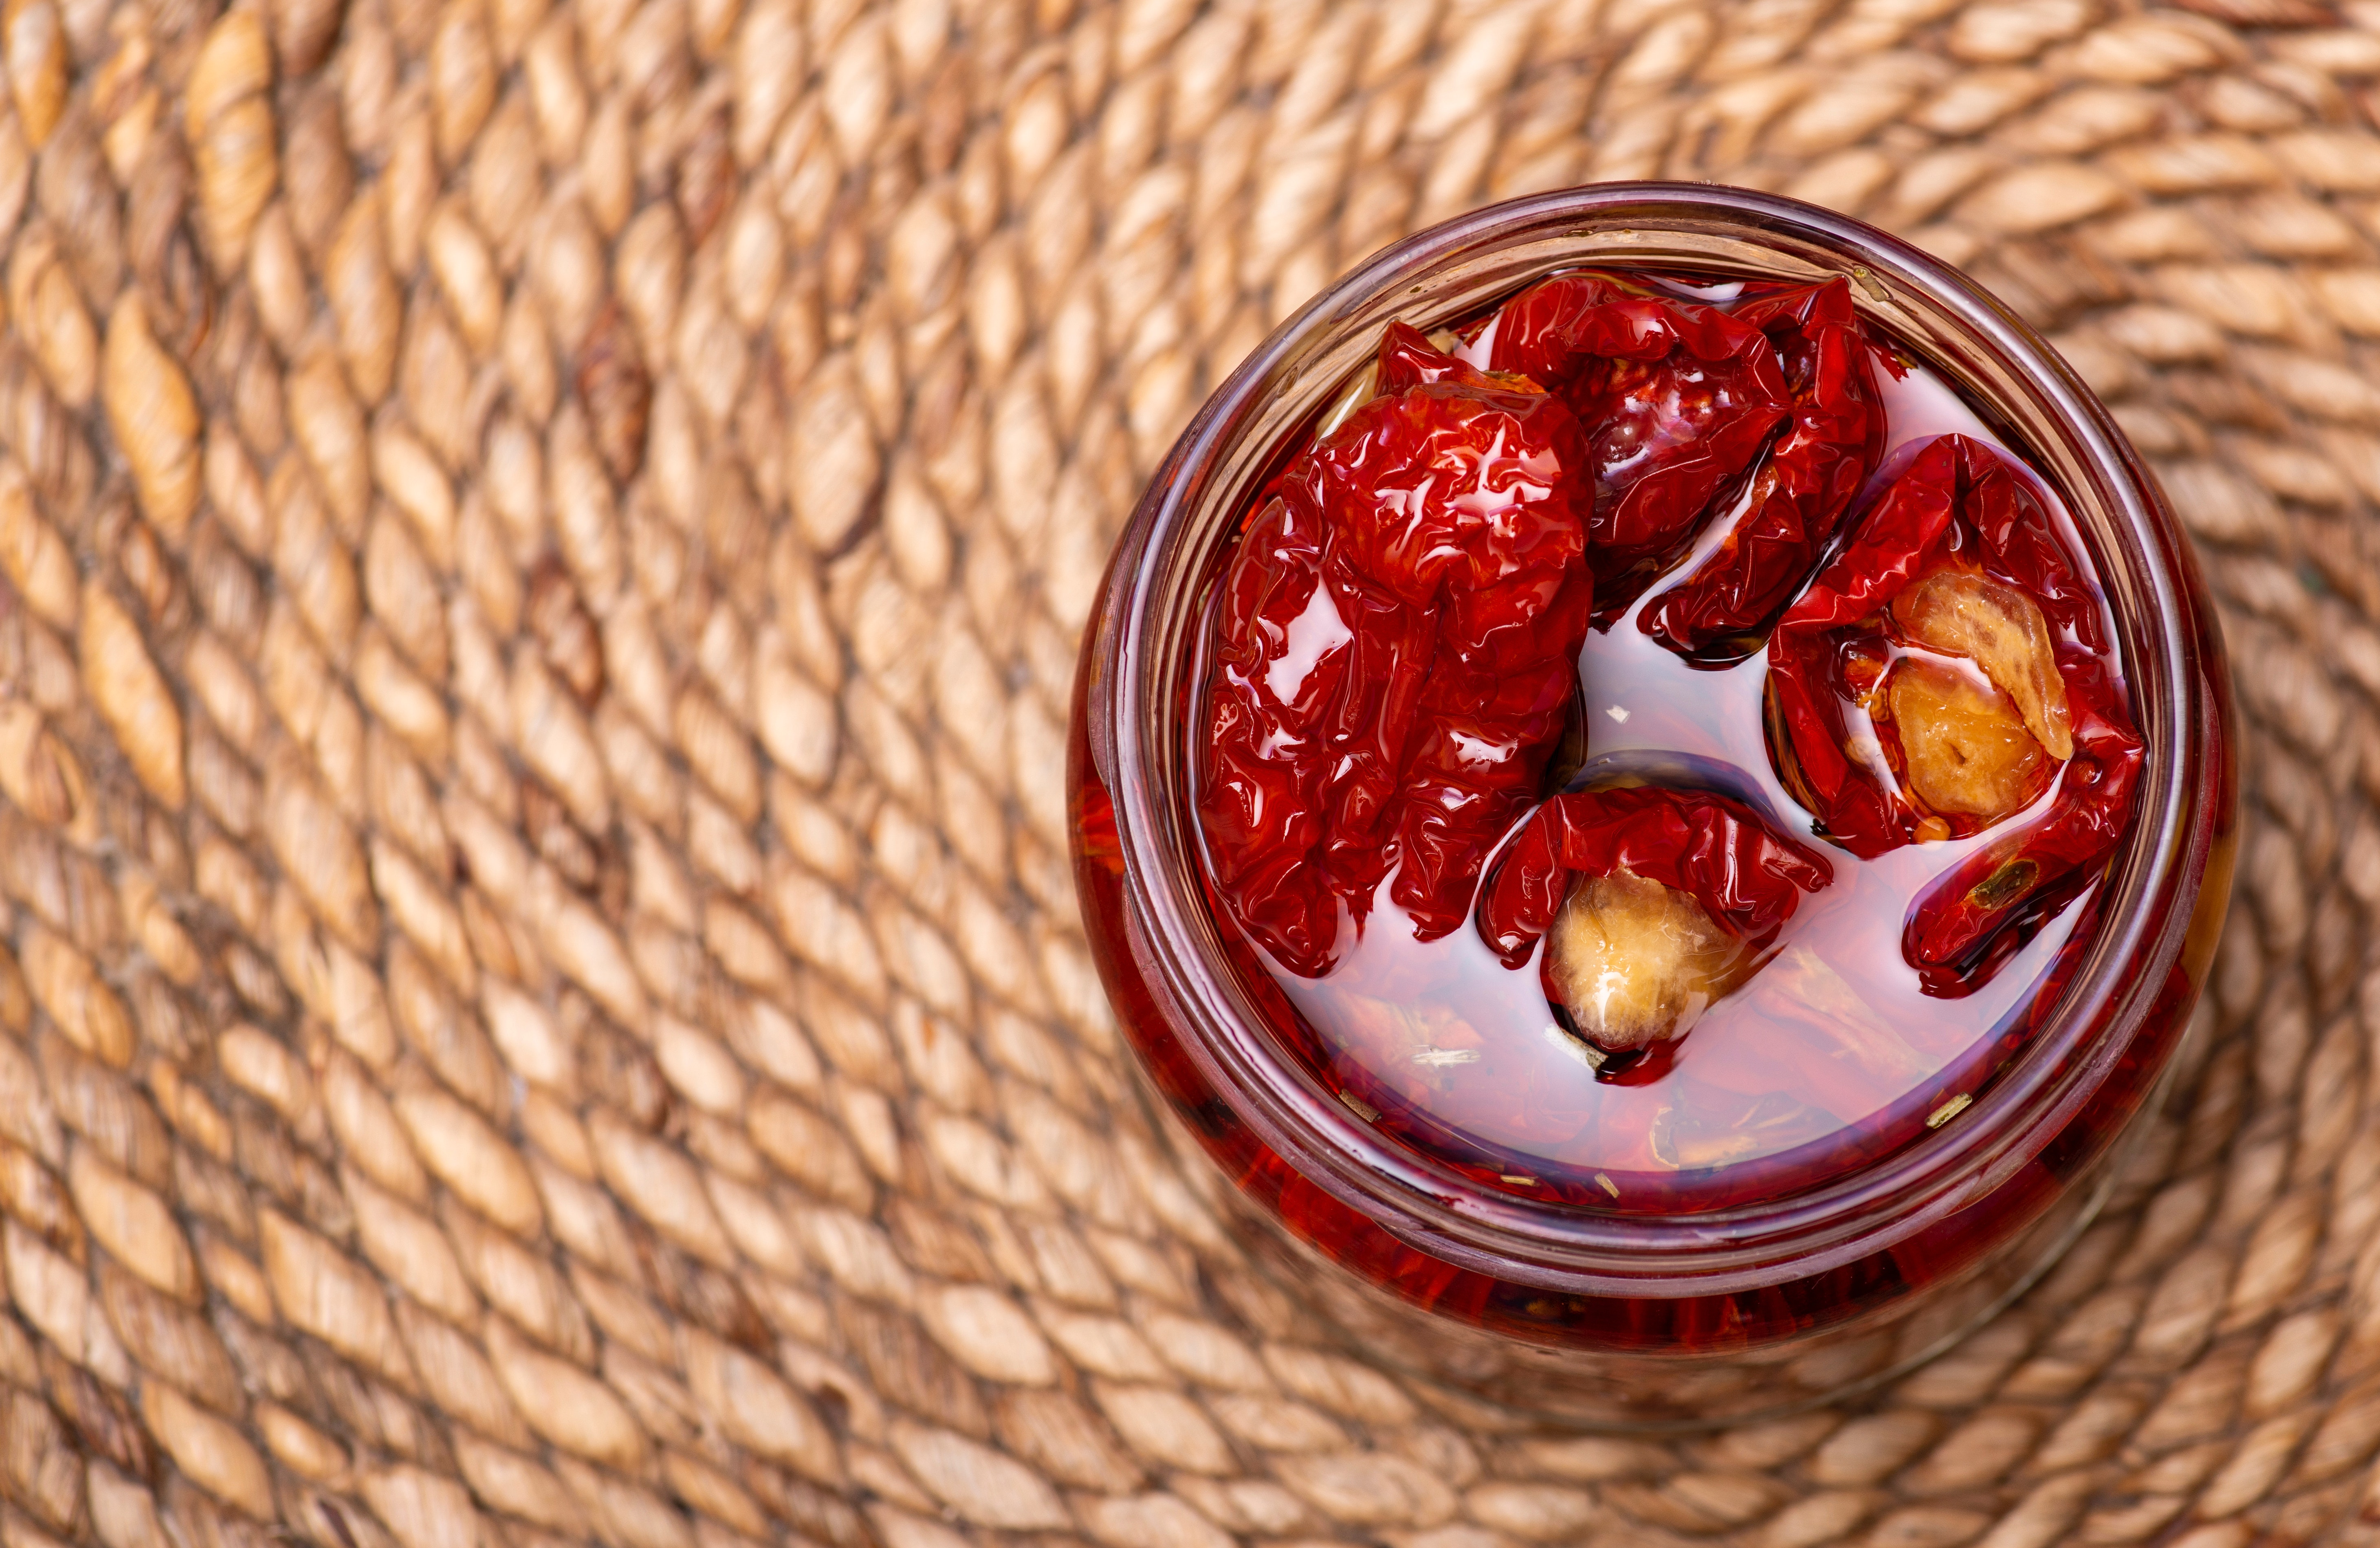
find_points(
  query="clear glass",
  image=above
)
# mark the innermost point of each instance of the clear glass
(1648, 1319)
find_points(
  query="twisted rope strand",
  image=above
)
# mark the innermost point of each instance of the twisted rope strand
(545, 547)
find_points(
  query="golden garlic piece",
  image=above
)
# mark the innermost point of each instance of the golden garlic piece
(1967, 747)
(1959, 612)
(1634, 962)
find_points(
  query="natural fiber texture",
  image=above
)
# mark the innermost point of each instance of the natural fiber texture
(544, 553)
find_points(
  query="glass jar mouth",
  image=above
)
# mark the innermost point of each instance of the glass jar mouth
(1138, 731)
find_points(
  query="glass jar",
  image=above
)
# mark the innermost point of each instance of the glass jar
(1648, 1320)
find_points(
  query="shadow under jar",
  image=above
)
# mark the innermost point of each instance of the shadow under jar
(1619, 1291)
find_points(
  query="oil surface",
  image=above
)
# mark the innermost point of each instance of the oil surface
(1829, 1056)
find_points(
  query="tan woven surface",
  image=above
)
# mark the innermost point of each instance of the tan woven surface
(545, 548)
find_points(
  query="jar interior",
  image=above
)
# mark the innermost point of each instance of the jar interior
(1256, 423)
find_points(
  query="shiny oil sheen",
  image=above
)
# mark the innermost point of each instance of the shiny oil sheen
(1832, 1054)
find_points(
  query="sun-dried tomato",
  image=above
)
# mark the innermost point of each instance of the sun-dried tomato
(1678, 397)
(1958, 522)
(1971, 920)
(1716, 850)
(1959, 507)
(1799, 492)
(1394, 655)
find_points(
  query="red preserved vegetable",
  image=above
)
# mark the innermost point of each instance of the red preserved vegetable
(1800, 493)
(1959, 508)
(1394, 657)
(1969, 921)
(1621, 1072)
(1957, 565)
(1711, 847)
(1678, 398)
(1401, 640)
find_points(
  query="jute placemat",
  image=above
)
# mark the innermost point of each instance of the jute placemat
(544, 553)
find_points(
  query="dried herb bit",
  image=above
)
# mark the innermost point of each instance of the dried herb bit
(1657, 903)
(1394, 655)
(2005, 884)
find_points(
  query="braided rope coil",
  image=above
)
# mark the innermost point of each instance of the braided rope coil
(543, 551)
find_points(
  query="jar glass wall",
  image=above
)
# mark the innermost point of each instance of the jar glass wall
(1646, 1318)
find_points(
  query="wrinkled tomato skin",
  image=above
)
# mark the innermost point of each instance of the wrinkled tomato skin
(1263, 814)
(1273, 1196)
(1394, 648)
(1334, 1220)
(1711, 847)
(1799, 494)
(1679, 398)
(1982, 910)
(1959, 505)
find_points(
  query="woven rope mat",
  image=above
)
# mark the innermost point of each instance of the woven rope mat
(545, 548)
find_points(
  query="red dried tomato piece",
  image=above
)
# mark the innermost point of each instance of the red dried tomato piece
(1960, 515)
(1678, 398)
(1959, 507)
(1394, 655)
(1282, 658)
(1747, 878)
(1801, 492)
(1974, 918)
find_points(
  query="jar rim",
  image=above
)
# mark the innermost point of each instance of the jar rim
(2172, 661)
